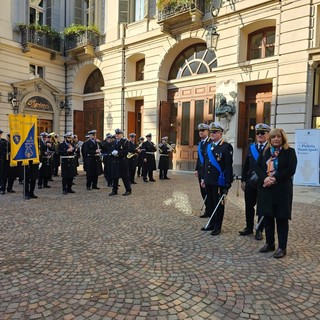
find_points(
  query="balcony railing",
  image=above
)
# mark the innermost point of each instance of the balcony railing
(79, 40)
(175, 10)
(31, 37)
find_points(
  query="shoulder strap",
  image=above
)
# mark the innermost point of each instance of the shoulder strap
(200, 153)
(212, 159)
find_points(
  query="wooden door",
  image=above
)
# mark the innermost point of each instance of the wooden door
(44, 126)
(78, 124)
(93, 116)
(131, 123)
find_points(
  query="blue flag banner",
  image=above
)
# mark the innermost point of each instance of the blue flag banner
(23, 139)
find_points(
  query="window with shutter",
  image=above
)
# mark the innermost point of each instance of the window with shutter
(78, 12)
(124, 11)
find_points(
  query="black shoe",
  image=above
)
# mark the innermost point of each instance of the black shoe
(110, 185)
(11, 191)
(56, 175)
(33, 196)
(280, 253)
(2, 192)
(50, 179)
(39, 186)
(153, 180)
(246, 231)
(205, 215)
(133, 182)
(27, 198)
(113, 193)
(47, 186)
(267, 248)
(127, 193)
(65, 192)
(145, 180)
(97, 188)
(215, 232)
(71, 191)
(209, 228)
(88, 188)
(258, 235)
(166, 178)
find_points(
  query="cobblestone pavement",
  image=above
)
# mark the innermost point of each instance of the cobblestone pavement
(90, 256)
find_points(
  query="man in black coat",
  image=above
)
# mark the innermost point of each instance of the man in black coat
(119, 160)
(46, 151)
(202, 150)
(132, 157)
(4, 158)
(149, 158)
(250, 192)
(217, 175)
(92, 161)
(106, 149)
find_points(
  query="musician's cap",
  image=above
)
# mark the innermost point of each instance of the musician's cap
(92, 132)
(132, 135)
(56, 135)
(67, 135)
(262, 127)
(164, 138)
(118, 131)
(203, 126)
(113, 136)
(215, 126)
(108, 135)
(141, 138)
(149, 135)
(87, 136)
(74, 136)
(43, 134)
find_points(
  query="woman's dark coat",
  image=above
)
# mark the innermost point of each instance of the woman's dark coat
(276, 200)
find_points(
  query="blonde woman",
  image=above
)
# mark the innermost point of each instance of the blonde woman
(275, 168)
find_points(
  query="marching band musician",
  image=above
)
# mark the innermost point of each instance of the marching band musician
(217, 175)
(92, 161)
(119, 160)
(45, 152)
(165, 149)
(77, 145)
(140, 156)
(55, 158)
(68, 163)
(132, 157)
(149, 158)
(106, 149)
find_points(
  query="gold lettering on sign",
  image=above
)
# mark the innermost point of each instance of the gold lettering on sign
(39, 103)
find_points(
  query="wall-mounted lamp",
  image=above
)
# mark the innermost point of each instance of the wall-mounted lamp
(12, 98)
(212, 38)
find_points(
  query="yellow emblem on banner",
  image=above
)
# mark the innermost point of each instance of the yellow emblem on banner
(23, 139)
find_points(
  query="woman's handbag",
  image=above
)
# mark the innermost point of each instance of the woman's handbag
(254, 179)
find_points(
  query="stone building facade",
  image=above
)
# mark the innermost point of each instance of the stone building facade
(146, 68)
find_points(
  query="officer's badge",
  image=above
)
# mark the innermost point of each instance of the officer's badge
(16, 138)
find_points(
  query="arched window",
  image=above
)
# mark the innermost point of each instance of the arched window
(196, 59)
(94, 82)
(261, 43)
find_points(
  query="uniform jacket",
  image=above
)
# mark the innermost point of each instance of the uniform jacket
(223, 153)
(68, 165)
(149, 148)
(203, 148)
(119, 163)
(92, 161)
(276, 200)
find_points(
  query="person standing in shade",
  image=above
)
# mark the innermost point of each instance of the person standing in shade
(140, 157)
(106, 149)
(45, 152)
(132, 157)
(275, 168)
(120, 167)
(149, 158)
(68, 163)
(250, 191)
(217, 175)
(165, 149)
(202, 150)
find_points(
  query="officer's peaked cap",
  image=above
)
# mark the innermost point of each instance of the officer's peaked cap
(132, 135)
(92, 132)
(118, 131)
(203, 126)
(141, 138)
(215, 126)
(149, 135)
(67, 135)
(262, 127)
(43, 134)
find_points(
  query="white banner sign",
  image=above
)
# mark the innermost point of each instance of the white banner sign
(307, 145)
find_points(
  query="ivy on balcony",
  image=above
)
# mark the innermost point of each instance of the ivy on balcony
(40, 36)
(77, 36)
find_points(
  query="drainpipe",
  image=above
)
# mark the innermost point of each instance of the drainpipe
(277, 74)
(123, 55)
(66, 107)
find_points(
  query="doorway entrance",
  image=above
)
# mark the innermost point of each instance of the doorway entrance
(44, 126)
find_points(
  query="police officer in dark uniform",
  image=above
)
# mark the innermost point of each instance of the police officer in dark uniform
(149, 158)
(45, 152)
(106, 149)
(93, 166)
(202, 150)
(132, 157)
(68, 163)
(165, 149)
(31, 173)
(4, 163)
(217, 175)
(119, 160)
(250, 192)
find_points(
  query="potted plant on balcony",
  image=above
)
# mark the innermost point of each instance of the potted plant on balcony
(41, 35)
(77, 35)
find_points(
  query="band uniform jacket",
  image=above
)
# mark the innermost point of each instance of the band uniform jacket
(150, 149)
(45, 153)
(68, 165)
(276, 200)
(92, 160)
(203, 150)
(119, 163)
(164, 156)
(249, 165)
(223, 153)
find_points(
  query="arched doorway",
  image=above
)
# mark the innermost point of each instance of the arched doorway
(92, 116)
(189, 103)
